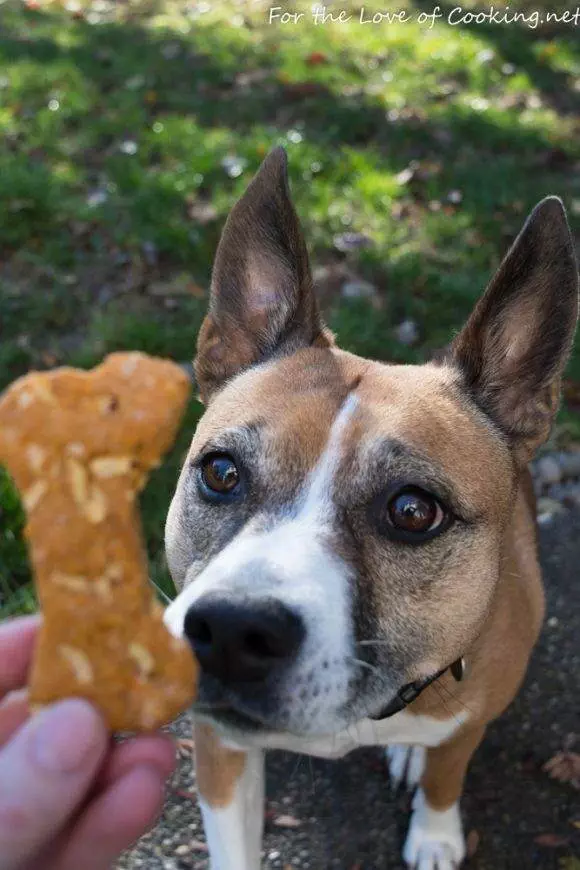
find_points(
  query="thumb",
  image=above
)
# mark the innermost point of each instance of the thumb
(46, 770)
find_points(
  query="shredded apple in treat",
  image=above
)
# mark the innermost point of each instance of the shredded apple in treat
(79, 446)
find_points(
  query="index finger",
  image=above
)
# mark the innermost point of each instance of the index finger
(17, 638)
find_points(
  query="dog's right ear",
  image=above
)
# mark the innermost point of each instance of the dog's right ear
(261, 303)
(516, 343)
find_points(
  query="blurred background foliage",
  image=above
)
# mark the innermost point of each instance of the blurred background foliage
(128, 129)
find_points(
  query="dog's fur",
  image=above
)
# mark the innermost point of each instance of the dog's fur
(323, 437)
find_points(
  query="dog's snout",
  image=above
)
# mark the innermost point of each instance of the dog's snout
(242, 641)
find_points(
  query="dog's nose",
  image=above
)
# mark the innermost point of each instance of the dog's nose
(242, 642)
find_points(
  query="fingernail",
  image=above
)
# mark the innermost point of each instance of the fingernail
(67, 737)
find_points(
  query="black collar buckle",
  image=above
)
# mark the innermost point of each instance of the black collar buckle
(458, 669)
(411, 691)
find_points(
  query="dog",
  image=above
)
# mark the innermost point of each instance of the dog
(354, 542)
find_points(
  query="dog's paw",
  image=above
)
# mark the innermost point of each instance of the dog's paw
(406, 765)
(434, 856)
(435, 840)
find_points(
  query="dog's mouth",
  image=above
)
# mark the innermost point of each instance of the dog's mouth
(244, 709)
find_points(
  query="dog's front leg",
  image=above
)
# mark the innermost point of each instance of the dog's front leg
(435, 840)
(231, 795)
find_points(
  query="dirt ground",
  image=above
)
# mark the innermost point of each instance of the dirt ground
(343, 815)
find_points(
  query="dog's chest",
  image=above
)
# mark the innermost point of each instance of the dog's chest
(404, 728)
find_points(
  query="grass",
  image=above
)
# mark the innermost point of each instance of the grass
(128, 129)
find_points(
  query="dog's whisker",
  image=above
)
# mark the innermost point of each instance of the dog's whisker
(514, 575)
(312, 779)
(372, 642)
(446, 705)
(299, 760)
(161, 592)
(363, 664)
(198, 707)
(453, 697)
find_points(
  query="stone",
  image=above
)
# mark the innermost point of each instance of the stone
(570, 464)
(547, 509)
(548, 470)
(571, 493)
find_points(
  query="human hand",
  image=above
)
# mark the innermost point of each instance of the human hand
(69, 796)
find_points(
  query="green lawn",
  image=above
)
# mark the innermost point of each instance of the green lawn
(127, 130)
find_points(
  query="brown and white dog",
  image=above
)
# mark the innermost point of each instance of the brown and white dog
(344, 528)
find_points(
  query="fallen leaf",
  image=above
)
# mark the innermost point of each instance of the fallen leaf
(297, 90)
(548, 51)
(317, 57)
(472, 843)
(197, 846)
(565, 767)
(287, 822)
(185, 744)
(551, 841)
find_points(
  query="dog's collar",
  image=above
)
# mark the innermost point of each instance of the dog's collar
(412, 690)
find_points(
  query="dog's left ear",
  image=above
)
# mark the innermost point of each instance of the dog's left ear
(515, 345)
(261, 301)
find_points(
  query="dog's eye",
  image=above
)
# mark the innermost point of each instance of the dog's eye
(219, 474)
(414, 514)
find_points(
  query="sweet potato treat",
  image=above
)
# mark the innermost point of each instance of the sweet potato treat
(79, 446)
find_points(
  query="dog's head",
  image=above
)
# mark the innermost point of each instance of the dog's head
(337, 527)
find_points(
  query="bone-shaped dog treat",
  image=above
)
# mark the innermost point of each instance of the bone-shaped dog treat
(79, 446)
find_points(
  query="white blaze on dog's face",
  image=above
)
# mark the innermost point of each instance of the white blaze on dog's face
(337, 527)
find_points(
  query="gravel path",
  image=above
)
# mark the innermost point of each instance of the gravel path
(347, 818)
